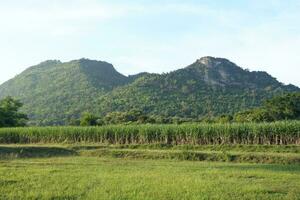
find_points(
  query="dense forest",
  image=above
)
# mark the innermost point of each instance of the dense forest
(285, 107)
(57, 93)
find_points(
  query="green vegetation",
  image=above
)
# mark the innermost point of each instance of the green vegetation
(82, 177)
(56, 93)
(201, 90)
(222, 153)
(194, 155)
(138, 134)
(9, 113)
(88, 119)
(284, 107)
(129, 117)
(286, 132)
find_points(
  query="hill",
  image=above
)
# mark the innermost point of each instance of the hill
(54, 92)
(208, 87)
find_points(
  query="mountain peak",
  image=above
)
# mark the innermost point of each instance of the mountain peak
(89, 61)
(210, 61)
(50, 62)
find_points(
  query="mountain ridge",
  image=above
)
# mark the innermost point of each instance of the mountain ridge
(53, 92)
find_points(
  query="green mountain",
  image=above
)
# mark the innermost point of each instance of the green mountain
(54, 92)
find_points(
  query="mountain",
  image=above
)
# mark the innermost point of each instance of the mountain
(54, 92)
(208, 87)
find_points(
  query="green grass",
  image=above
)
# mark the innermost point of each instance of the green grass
(237, 148)
(250, 161)
(98, 171)
(79, 177)
(227, 153)
(279, 133)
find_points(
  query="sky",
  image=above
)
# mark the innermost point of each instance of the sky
(153, 36)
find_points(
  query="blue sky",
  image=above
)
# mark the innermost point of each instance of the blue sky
(154, 36)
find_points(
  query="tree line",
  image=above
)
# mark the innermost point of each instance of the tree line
(285, 107)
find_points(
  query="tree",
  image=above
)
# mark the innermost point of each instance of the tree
(88, 119)
(285, 107)
(130, 116)
(9, 113)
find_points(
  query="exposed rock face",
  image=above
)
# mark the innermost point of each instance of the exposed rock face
(211, 62)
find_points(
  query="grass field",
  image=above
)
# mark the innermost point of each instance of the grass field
(106, 172)
(112, 178)
(190, 161)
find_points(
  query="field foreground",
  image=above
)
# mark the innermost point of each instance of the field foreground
(110, 172)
